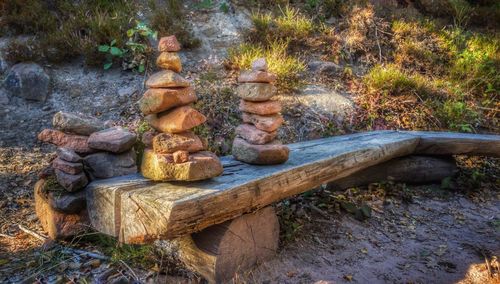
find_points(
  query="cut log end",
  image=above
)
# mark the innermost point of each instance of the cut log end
(220, 251)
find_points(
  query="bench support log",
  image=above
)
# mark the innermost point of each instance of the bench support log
(410, 169)
(220, 251)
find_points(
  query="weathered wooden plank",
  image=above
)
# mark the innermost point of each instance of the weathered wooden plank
(449, 143)
(410, 169)
(140, 211)
(167, 210)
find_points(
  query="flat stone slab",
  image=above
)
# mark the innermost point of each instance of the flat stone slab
(138, 210)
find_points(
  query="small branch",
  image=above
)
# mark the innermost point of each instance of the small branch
(7, 236)
(133, 273)
(32, 233)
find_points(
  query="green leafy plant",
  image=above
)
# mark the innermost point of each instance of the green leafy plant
(134, 54)
(111, 52)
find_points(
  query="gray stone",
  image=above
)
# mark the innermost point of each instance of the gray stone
(267, 154)
(77, 123)
(70, 182)
(107, 165)
(324, 67)
(115, 139)
(68, 155)
(67, 167)
(3, 66)
(4, 98)
(256, 92)
(27, 80)
(327, 101)
(65, 202)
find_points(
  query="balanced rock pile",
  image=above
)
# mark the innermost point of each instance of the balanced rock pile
(256, 139)
(87, 151)
(176, 153)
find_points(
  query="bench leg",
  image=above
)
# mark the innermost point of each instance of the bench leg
(220, 251)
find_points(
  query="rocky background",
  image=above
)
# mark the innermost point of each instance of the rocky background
(439, 233)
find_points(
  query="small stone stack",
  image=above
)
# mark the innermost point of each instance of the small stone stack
(255, 142)
(176, 153)
(87, 151)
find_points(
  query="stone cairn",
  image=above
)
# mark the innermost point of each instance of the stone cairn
(255, 142)
(176, 153)
(87, 150)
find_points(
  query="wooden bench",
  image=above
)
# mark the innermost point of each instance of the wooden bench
(204, 217)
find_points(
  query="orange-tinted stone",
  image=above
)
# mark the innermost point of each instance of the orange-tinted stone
(260, 108)
(266, 123)
(256, 77)
(170, 61)
(158, 100)
(177, 120)
(268, 154)
(165, 143)
(166, 79)
(169, 43)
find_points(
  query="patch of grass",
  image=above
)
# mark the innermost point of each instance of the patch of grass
(458, 116)
(169, 19)
(64, 30)
(419, 48)
(391, 80)
(285, 66)
(288, 25)
(138, 255)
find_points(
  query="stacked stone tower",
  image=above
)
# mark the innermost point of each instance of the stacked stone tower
(176, 153)
(87, 150)
(255, 142)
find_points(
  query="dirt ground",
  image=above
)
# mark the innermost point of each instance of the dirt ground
(416, 234)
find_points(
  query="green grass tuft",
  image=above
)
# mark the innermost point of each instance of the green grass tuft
(285, 66)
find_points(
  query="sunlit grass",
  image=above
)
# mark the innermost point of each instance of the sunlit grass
(286, 67)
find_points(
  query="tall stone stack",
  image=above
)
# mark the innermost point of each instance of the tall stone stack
(176, 153)
(87, 151)
(256, 139)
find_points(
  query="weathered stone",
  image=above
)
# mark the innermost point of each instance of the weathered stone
(107, 165)
(324, 68)
(256, 92)
(259, 64)
(253, 135)
(68, 155)
(67, 167)
(3, 66)
(46, 172)
(180, 157)
(158, 100)
(114, 139)
(69, 203)
(166, 79)
(165, 143)
(177, 120)
(169, 43)
(71, 182)
(147, 138)
(170, 61)
(201, 165)
(4, 98)
(256, 77)
(268, 154)
(267, 123)
(29, 81)
(77, 143)
(77, 123)
(58, 225)
(260, 108)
